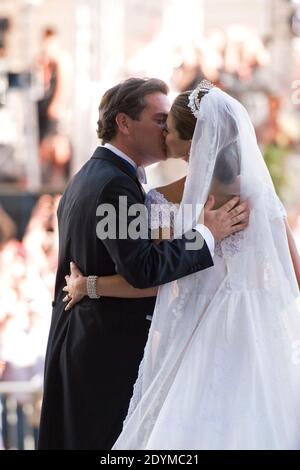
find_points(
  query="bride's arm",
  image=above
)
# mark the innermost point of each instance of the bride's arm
(107, 286)
(294, 251)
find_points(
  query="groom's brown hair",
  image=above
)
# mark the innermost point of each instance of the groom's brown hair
(127, 97)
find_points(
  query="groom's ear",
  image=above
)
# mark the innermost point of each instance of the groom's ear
(122, 121)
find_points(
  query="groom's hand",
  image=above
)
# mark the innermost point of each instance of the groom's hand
(230, 218)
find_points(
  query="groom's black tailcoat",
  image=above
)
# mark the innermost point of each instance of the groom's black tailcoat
(94, 350)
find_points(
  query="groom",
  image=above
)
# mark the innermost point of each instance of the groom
(94, 351)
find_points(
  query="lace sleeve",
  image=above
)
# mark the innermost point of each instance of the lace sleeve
(161, 213)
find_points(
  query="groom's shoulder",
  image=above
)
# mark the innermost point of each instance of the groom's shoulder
(94, 173)
(99, 176)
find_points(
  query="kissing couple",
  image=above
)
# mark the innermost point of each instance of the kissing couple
(161, 346)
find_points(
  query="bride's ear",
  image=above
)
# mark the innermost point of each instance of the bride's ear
(187, 150)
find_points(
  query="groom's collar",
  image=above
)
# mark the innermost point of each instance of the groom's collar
(121, 154)
(103, 153)
(140, 170)
(131, 169)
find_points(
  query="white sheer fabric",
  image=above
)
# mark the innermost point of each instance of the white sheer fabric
(220, 368)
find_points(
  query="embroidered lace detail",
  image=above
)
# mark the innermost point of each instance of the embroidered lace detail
(178, 310)
(274, 206)
(137, 393)
(230, 246)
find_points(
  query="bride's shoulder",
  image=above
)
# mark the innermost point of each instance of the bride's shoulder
(171, 193)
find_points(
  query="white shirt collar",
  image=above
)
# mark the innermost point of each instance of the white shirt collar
(120, 154)
(141, 173)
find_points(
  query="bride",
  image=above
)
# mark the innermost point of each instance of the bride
(221, 368)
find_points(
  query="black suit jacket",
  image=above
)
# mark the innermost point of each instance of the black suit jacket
(94, 350)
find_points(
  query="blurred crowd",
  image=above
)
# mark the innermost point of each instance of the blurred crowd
(27, 273)
(239, 62)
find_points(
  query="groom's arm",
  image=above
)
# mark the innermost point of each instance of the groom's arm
(140, 261)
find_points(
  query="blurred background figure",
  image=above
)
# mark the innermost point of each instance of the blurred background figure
(53, 69)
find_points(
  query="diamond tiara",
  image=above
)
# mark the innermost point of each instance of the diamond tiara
(194, 101)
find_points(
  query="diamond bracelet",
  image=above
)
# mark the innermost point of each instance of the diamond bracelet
(91, 286)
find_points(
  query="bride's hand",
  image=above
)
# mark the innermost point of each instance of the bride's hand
(75, 288)
(230, 218)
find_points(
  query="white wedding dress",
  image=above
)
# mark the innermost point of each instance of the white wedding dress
(221, 368)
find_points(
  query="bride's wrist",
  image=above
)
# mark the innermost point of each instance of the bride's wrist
(82, 286)
(92, 287)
